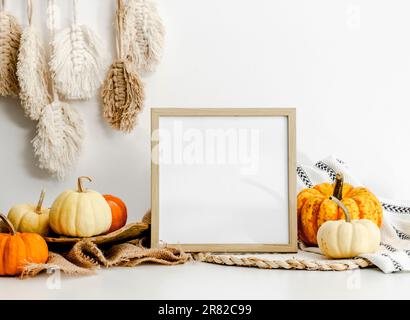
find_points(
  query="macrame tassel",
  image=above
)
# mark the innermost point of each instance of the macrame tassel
(10, 33)
(60, 130)
(78, 62)
(58, 142)
(144, 34)
(32, 71)
(123, 96)
(123, 91)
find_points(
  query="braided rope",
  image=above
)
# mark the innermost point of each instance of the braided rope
(52, 24)
(296, 264)
(30, 12)
(119, 28)
(51, 17)
(75, 12)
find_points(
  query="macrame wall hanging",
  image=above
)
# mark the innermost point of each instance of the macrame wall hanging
(78, 62)
(75, 72)
(32, 70)
(123, 92)
(10, 33)
(60, 132)
(144, 34)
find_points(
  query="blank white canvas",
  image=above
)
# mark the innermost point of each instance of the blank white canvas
(237, 200)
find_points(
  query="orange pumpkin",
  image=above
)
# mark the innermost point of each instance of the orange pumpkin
(315, 207)
(18, 249)
(118, 211)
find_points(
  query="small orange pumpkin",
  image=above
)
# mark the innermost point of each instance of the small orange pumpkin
(315, 208)
(18, 249)
(118, 211)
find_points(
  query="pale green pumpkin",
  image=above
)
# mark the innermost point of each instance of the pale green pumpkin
(30, 218)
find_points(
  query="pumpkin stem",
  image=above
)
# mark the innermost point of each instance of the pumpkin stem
(40, 202)
(338, 190)
(341, 205)
(9, 225)
(80, 183)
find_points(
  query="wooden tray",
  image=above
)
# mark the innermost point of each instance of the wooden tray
(130, 231)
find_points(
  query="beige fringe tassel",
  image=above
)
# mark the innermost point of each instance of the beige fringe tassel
(78, 62)
(123, 91)
(60, 130)
(10, 33)
(32, 71)
(144, 34)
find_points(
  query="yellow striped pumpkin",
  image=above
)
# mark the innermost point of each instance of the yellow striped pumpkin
(315, 207)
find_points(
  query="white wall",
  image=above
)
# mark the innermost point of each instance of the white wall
(344, 64)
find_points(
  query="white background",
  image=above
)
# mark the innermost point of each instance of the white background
(223, 198)
(344, 64)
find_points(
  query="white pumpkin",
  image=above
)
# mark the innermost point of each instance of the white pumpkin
(30, 218)
(80, 213)
(347, 239)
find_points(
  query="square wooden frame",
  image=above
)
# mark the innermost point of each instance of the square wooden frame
(290, 113)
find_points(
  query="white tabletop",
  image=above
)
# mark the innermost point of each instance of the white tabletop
(205, 281)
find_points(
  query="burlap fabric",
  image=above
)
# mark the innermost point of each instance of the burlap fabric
(86, 256)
